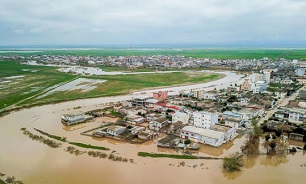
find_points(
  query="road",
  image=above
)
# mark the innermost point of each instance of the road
(282, 103)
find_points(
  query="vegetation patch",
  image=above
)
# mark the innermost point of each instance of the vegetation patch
(159, 155)
(63, 139)
(233, 162)
(82, 145)
(41, 139)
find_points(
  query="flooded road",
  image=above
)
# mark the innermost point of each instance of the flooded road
(34, 162)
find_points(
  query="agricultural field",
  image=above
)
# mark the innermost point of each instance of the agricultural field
(195, 53)
(24, 85)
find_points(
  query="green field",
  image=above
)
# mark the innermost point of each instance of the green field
(37, 80)
(196, 53)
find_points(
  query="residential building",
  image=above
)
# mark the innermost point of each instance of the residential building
(139, 101)
(205, 136)
(161, 95)
(204, 119)
(158, 124)
(230, 132)
(70, 119)
(180, 116)
(116, 130)
(260, 86)
(246, 85)
(268, 75)
(233, 122)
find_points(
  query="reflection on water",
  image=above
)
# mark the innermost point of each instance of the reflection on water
(273, 160)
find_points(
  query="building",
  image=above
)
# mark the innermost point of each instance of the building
(268, 75)
(71, 119)
(139, 101)
(158, 124)
(180, 116)
(205, 136)
(197, 93)
(230, 132)
(161, 95)
(260, 86)
(204, 119)
(301, 69)
(209, 96)
(115, 130)
(150, 103)
(246, 85)
(232, 121)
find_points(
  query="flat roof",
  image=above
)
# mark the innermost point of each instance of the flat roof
(204, 132)
(151, 100)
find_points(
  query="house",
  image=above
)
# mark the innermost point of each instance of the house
(169, 141)
(160, 96)
(139, 101)
(180, 116)
(233, 89)
(150, 103)
(232, 121)
(230, 132)
(176, 128)
(204, 119)
(198, 93)
(259, 109)
(209, 96)
(71, 119)
(248, 113)
(302, 94)
(260, 86)
(205, 136)
(146, 135)
(158, 124)
(296, 136)
(244, 101)
(137, 129)
(247, 85)
(116, 130)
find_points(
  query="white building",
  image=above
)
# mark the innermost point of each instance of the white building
(75, 118)
(158, 124)
(267, 75)
(115, 130)
(260, 86)
(205, 136)
(180, 116)
(204, 119)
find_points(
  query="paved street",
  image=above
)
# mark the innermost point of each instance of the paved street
(282, 103)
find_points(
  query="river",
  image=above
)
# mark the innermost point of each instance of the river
(34, 162)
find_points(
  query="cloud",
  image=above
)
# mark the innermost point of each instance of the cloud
(155, 21)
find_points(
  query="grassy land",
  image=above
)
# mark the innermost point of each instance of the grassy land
(124, 84)
(196, 53)
(23, 92)
(156, 155)
(35, 80)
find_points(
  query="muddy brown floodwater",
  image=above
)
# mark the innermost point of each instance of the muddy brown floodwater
(34, 162)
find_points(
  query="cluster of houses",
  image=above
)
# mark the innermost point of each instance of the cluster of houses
(163, 61)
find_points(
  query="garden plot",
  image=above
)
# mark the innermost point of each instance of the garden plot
(81, 84)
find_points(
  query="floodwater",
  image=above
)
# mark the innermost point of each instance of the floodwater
(34, 162)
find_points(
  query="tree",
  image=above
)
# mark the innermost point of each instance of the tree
(304, 148)
(233, 162)
(187, 141)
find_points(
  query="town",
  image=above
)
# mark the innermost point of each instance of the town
(158, 62)
(214, 117)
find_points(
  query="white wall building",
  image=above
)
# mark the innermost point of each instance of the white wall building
(260, 86)
(204, 119)
(180, 116)
(205, 136)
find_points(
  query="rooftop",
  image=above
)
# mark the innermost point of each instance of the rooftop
(204, 132)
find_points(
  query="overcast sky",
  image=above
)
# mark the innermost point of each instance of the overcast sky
(107, 22)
